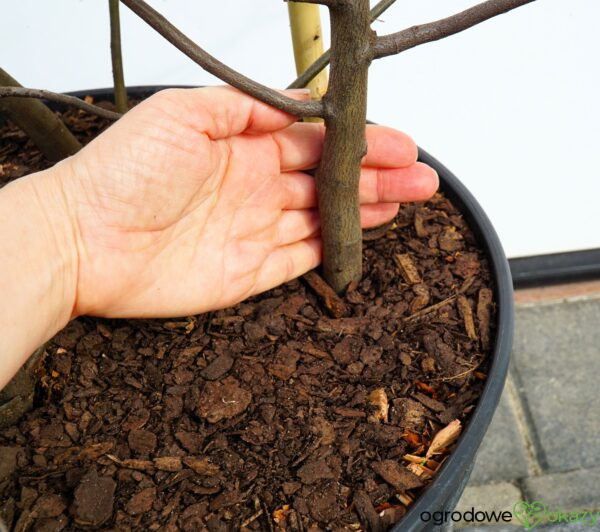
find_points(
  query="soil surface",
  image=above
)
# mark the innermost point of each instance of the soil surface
(269, 415)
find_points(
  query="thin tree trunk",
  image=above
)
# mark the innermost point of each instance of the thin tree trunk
(42, 126)
(116, 56)
(345, 115)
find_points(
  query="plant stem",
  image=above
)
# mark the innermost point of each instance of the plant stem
(64, 99)
(42, 126)
(414, 36)
(117, 58)
(338, 173)
(218, 69)
(303, 79)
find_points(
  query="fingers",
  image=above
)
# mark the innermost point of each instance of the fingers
(417, 182)
(296, 225)
(300, 146)
(380, 213)
(288, 262)
(222, 112)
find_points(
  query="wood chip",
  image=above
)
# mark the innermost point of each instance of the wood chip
(444, 438)
(464, 309)
(396, 475)
(366, 512)
(379, 400)
(420, 228)
(484, 310)
(138, 465)
(201, 466)
(430, 309)
(334, 304)
(421, 298)
(407, 268)
(95, 450)
(168, 463)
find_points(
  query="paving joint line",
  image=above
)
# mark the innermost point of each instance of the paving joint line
(536, 462)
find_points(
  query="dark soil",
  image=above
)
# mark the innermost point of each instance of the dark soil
(269, 415)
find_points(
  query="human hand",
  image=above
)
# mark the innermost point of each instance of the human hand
(197, 199)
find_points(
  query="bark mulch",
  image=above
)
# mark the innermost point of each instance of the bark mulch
(269, 415)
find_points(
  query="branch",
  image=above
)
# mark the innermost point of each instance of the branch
(22, 92)
(313, 70)
(46, 130)
(218, 69)
(116, 57)
(416, 35)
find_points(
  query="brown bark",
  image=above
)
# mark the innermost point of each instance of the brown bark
(409, 38)
(218, 69)
(116, 57)
(345, 115)
(313, 70)
(64, 99)
(44, 128)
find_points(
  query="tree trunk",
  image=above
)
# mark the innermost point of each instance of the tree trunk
(42, 126)
(338, 174)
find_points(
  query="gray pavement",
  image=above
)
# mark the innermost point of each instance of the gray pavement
(544, 441)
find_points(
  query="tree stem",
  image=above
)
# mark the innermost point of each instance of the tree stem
(345, 144)
(42, 126)
(215, 67)
(117, 58)
(64, 99)
(303, 79)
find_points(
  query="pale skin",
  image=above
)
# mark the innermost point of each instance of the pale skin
(195, 200)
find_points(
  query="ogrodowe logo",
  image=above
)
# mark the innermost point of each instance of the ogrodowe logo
(532, 514)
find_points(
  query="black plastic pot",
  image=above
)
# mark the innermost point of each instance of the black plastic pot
(446, 488)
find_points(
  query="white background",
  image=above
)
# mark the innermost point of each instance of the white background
(510, 106)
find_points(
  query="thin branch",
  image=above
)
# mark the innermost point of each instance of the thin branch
(220, 70)
(416, 35)
(116, 57)
(313, 70)
(22, 92)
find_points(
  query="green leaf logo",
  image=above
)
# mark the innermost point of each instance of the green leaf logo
(529, 515)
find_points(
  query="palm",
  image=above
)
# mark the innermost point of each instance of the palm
(179, 213)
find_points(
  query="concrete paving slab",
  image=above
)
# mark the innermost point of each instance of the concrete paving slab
(501, 456)
(557, 361)
(489, 498)
(574, 490)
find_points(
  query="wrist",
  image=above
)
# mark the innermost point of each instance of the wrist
(38, 270)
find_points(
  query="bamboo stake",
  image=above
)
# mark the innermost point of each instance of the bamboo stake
(307, 38)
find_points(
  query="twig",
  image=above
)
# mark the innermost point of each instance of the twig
(23, 92)
(313, 70)
(430, 309)
(252, 518)
(220, 70)
(116, 57)
(433, 31)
